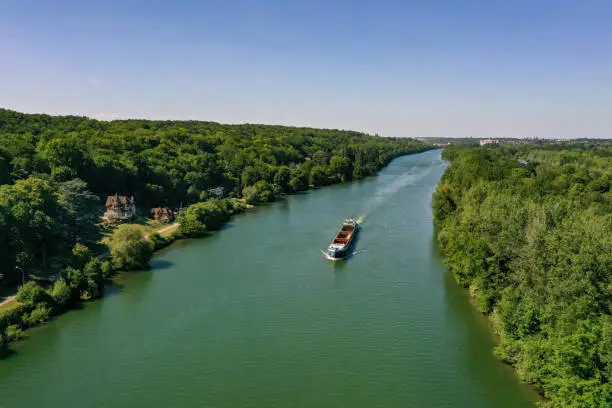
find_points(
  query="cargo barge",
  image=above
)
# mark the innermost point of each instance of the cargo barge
(344, 239)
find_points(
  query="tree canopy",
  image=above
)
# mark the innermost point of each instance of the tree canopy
(529, 230)
(163, 163)
(54, 170)
(129, 249)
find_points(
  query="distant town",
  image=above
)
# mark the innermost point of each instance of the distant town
(444, 141)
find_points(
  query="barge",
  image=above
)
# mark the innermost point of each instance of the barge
(344, 239)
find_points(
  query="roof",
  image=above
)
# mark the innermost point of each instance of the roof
(119, 200)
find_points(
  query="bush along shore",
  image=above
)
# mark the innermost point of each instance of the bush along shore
(55, 171)
(529, 231)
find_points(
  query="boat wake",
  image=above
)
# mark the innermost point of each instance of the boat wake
(388, 190)
(329, 258)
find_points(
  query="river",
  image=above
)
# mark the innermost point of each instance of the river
(254, 316)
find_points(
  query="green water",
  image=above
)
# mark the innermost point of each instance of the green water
(254, 316)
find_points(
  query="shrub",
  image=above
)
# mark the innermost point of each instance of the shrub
(95, 280)
(266, 191)
(31, 294)
(40, 315)
(251, 195)
(61, 293)
(159, 241)
(13, 333)
(129, 250)
(210, 215)
(297, 184)
(237, 206)
(107, 270)
(80, 256)
(13, 315)
(261, 192)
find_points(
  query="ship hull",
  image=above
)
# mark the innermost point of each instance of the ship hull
(343, 241)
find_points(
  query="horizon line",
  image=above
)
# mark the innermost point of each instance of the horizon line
(118, 118)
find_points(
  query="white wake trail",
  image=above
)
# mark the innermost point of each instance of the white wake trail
(389, 190)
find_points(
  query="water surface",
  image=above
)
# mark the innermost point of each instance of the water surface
(254, 316)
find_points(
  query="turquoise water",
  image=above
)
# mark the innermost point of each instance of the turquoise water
(254, 316)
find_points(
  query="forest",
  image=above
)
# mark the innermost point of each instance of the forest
(56, 172)
(528, 229)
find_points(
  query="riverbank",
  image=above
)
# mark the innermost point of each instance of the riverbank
(526, 230)
(195, 220)
(41, 304)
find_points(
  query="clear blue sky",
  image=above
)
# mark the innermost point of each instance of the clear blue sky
(400, 68)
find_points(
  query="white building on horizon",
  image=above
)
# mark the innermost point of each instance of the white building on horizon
(489, 142)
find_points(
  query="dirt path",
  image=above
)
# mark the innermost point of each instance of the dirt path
(169, 227)
(7, 300)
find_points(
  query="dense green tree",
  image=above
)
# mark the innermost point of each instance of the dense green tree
(40, 314)
(77, 281)
(320, 158)
(298, 183)
(251, 194)
(282, 178)
(249, 176)
(32, 218)
(318, 176)
(8, 244)
(62, 152)
(444, 200)
(107, 269)
(191, 224)
(129, 249)
(31, 294)
(527, 229)
(95, 278)
(340, 167)
(80, 256)
(206, 216)
(62, 173)
(61, 293)
(266, 192)
(82, 210)
(5, 171)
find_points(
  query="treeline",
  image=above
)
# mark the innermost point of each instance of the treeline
(529, 230)
(54, 170)
(164, 163)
